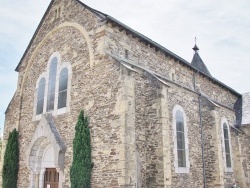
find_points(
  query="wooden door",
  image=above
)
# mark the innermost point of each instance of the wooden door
(51, 178)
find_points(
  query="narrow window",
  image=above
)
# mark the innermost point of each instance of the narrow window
(173, 77)
(40, 97)
(52, 85)
(63, 86)
(59, 12)
(181, 150)
(126, 53)
(55, 14)
(227, 145)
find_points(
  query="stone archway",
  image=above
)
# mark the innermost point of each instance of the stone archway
(46, 150)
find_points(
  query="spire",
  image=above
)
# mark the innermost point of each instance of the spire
(197, 61)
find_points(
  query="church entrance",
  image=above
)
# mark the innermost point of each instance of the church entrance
(45, 156)
(51, 178)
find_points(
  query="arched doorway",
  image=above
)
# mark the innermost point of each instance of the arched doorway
(45, 156)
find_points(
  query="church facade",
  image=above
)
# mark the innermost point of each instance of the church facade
(156, 120)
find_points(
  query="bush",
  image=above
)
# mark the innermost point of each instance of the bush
(80, 172)
(11, 158)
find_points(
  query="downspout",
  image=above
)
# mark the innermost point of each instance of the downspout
(202, 141)
(202, 131)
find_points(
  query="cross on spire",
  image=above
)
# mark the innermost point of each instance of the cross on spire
(195, 48)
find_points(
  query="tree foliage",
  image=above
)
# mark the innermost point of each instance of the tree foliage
(11, 158)
(80, 172)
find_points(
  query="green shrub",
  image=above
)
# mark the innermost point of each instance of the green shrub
(11, 158)
(80, 172)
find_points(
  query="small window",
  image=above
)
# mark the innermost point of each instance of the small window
(63, 86)
(40, 96)
(55, 14)
(126, 54)
(52, 85)
(227, 146)
(59, 12)
(173, 77)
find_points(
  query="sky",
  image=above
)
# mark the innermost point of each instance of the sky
(222, 29)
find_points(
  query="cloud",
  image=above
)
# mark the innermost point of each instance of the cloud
(221, 27)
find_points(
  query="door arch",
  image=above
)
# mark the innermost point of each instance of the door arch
(46, 150)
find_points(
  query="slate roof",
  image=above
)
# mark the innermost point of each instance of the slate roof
(198, 63)
(202, 69)
(246, 109)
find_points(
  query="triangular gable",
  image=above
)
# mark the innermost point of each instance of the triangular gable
(97, 13)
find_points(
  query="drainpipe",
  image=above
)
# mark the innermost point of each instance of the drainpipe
(202, 131)
(202, 141)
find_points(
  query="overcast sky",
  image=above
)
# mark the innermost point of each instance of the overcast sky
(222, 29)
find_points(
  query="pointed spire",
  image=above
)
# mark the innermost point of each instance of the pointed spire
(197, 61)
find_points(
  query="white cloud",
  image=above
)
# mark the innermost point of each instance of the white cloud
(222, 28)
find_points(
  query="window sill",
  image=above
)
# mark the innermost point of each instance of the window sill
(182, 170)
(54, 113)
(229, 169)
(60, 111)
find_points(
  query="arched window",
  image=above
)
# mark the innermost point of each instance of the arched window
(40, 96)
(52, 84)
(63, 86)
(53, 88)
(181, 153)
(227, 145)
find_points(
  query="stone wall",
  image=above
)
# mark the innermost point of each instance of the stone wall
(96, 86)
(130, 112)
(149, 129)
(244, 140)
(117, 40)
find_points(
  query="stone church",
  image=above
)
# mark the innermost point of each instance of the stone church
(156, 120)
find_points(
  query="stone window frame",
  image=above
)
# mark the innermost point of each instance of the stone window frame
(60, 66)
(177, 168)
(227, 169)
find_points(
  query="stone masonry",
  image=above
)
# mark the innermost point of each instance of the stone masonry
(129, 102)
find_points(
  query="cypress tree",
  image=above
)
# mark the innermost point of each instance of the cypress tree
(11, 158)
(80, 172)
